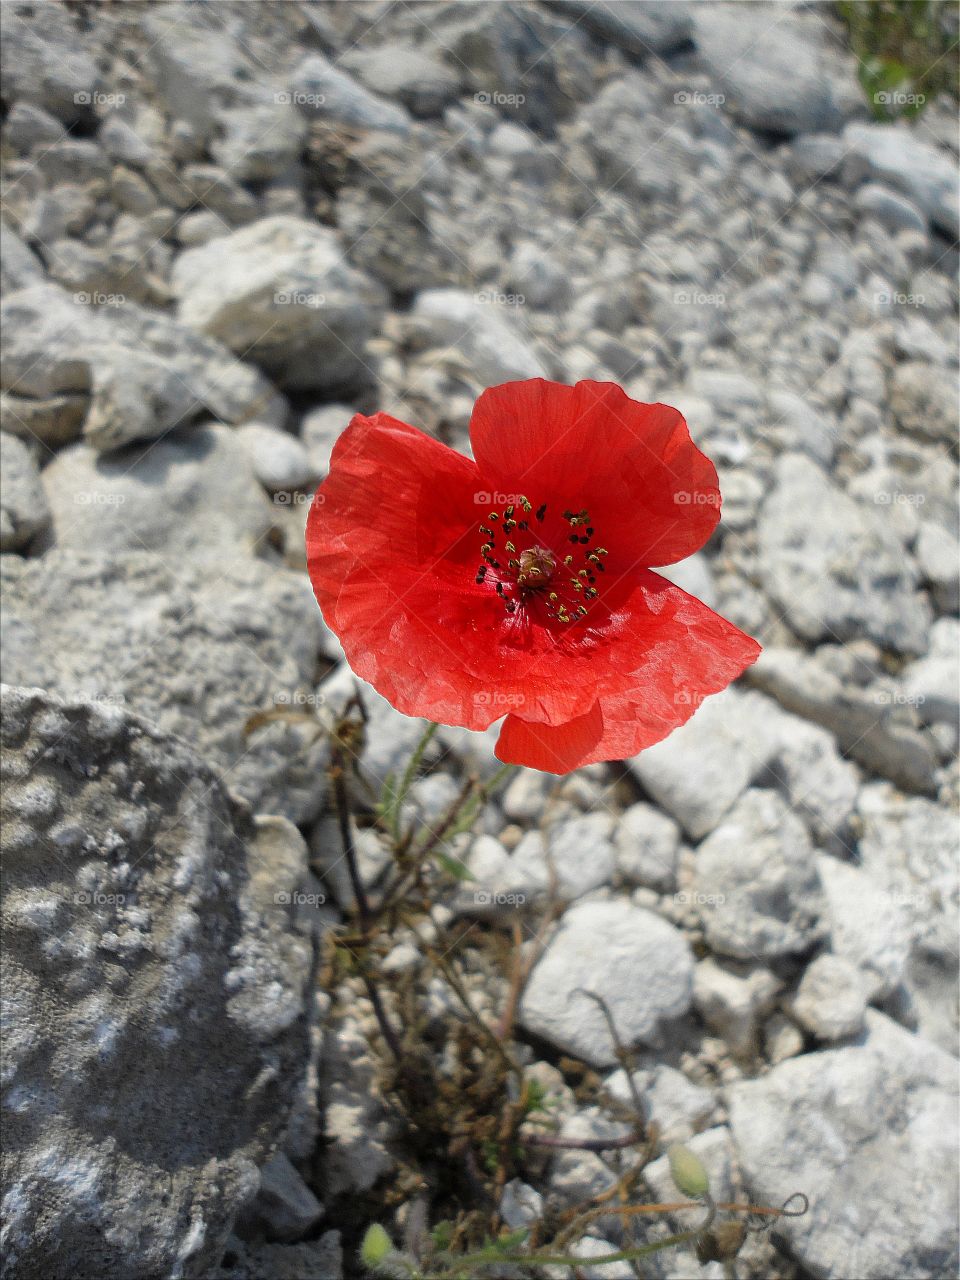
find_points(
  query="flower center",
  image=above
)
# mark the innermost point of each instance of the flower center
(560, 583)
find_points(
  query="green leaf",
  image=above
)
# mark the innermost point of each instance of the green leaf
(454, 867)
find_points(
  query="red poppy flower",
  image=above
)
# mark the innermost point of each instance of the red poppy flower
(520, 583)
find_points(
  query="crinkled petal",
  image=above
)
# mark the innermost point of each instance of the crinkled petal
(550, 748)
(649, 490)
(672, 652)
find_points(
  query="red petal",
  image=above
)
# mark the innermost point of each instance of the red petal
(671, 653)
(650, 492)
(550, 748)
(392, 549)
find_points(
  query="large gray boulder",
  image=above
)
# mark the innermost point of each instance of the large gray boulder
(197, 647)
(869, 1134)
(158, 995)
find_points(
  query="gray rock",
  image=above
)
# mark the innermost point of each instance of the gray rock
(895, 155)
(279, 460)
(52, 422)
(575, 857)
(260, 142)
(937, 553)
(324, 91)
(796, 425)
(812, 156)
(733, 395)
(868, 927)
(836, 569)
(863, 729)
(321, 1258)
(782, 1038)
(19, 266)
(699, 771)
(520, 1205)
(831, 1000)
(421, 82)
(196, 77)
(123, 143)
(357, 1124)
(909, 846)
(192, 494)
(142, 372)
(320, 430)
(779, 76)
(535, 60)
(648, 845)
(756, 884)
(640, 965)
(492, 344)
(575, 1175)
(924, 401)
(23, 505)
(632, 25)
(892, 210)
(733, 1003)
(867, 1132)
(28, 126)
(527, 795)
(196, 652)
(818, 783)
(537, 277)
(46, 61)
(281, 294)
(678, 1107)
(932, 683)
(160, 997)
(285, 1208)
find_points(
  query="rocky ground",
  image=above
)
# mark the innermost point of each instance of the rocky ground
(226, 227)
